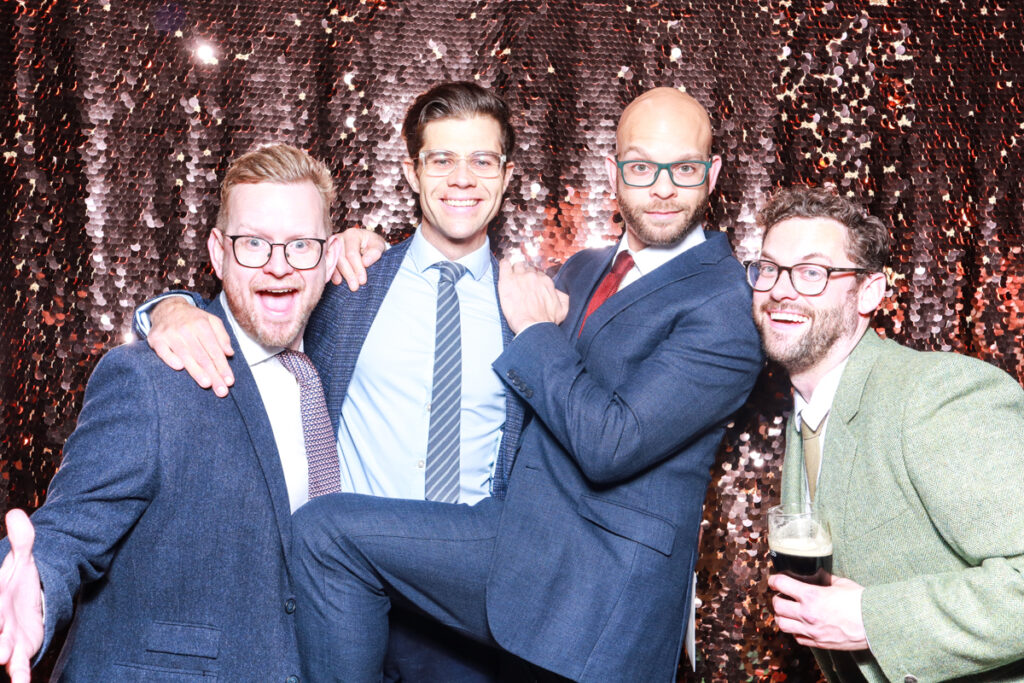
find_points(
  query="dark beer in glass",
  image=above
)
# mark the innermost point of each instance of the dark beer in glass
(800, 544)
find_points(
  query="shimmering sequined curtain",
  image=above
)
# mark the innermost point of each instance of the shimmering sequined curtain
(120, 116)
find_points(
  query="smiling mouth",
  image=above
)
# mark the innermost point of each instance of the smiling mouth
(461, 203)
(788, 317)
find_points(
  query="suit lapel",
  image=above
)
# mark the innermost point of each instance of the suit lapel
(341, 323)
(583, 285)
(515, 412)
(840, 450)
(793, 465)
(689, 263)
(246, 396)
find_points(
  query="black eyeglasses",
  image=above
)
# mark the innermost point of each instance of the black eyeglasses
(809, 279)
(643, 173)
(303, 253)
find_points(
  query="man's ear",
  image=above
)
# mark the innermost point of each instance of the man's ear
(716, 168)
(409, 169)
(215, 245)
(509, 167)
(332, 253)
(613, 173)
(872, 291)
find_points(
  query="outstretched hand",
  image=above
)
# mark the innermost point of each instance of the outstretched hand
(187, 338)
(21, 601)
(529, 296)
(828, 617)
(360, 249)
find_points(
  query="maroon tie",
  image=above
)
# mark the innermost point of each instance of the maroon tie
(609, 285)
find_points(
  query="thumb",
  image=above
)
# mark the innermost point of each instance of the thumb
(21, 534)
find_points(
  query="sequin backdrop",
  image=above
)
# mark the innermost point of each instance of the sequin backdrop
(120, 116)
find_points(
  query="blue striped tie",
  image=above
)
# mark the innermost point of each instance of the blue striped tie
(442, 478)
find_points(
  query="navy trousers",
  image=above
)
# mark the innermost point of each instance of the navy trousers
(354, 555)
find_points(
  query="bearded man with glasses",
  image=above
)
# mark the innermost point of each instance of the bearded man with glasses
(918, 470)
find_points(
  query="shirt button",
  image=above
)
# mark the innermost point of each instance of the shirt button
(420, 464)
(292, 679)
(289, 605)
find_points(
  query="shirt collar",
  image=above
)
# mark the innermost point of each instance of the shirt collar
(821, 400)
(649, 258)
(253, 352)
(423, 255)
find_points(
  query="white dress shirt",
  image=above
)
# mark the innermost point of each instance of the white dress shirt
(384, 425)
(816, 410)
(280, 393)
(649, 258)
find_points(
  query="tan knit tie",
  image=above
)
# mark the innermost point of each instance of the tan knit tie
(812, 452)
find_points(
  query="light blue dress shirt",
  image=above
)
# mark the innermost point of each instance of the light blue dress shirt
(382, 433)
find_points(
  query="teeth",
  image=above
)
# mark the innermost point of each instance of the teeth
(460, 202)
(787, 317)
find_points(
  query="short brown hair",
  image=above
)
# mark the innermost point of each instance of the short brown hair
(457, 100)
(277, 163)
(867, 241)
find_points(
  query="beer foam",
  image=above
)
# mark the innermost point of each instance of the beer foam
(817, 546)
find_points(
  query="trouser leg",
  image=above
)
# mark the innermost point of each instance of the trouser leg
(352, 555)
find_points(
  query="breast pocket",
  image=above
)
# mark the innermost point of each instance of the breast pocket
(192, 640)
(633, 523)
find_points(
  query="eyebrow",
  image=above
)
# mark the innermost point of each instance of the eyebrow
(688, 155)
(802, 259)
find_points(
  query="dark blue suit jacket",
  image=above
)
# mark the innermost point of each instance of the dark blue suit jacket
(338, 328)
(598, 535)
(169, 519)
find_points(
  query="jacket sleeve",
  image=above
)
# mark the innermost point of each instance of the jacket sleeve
(694, 378)
(140, 319)
(963, 447)
(108, 476)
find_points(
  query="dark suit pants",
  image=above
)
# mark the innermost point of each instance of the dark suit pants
(355, 554)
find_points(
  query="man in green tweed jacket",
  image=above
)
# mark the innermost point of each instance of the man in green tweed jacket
(921, 473)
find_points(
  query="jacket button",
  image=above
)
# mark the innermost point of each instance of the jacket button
(292, 679)
(289, 607)
(528, 393)
(910, 679)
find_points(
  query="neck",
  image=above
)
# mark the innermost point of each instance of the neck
(806, 381)
(453, 250)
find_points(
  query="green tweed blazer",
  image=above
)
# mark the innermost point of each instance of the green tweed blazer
(922, 483)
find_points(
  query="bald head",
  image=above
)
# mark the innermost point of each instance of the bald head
(664, 113)
(663, 145)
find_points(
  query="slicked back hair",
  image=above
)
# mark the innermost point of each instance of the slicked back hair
(456, 100)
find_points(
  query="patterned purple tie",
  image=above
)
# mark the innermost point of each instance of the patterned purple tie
(321, 448)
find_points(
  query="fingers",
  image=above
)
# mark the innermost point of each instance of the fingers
(19, 665)
(360, 249)
(787, 585)
(189, 339)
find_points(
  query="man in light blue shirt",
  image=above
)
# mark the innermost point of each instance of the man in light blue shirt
(375, 347)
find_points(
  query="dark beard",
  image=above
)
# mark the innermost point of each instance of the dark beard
(633, 217)
(827, 327)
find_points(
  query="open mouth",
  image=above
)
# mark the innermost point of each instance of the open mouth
(278, 300)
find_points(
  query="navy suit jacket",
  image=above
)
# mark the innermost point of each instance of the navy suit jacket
(338, 328)
(169, 518)
(598, 534)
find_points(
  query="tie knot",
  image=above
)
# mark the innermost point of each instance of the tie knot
(450, 270)
(808, 432)
(623, 263)
(298, 364)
